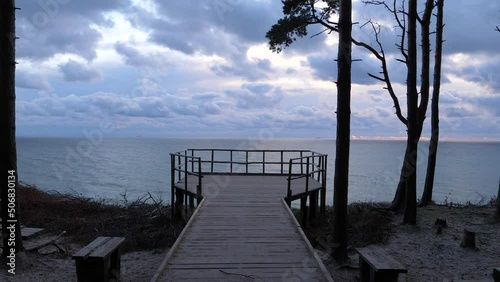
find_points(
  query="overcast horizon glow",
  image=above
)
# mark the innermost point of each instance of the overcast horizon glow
(204, 69)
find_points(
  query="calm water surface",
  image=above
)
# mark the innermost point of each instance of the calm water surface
(113, 167)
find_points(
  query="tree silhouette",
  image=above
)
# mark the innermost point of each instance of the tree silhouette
(298, 15)
(301, 13)
(341, 177)
(8, 156)
(433, 145)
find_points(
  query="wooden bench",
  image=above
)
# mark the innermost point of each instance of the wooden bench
(99, 260)
(377, 265)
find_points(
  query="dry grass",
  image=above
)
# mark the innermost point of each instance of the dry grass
(368, 224)
(145, 226)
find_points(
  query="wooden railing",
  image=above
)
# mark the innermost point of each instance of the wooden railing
(196, 162)
(179, 165)
(313, 169)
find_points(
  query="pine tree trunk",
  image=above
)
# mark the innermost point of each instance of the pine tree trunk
(408, 166)
(410, 215)
(341, 178)
(398, 203)
(8, 154)
(433, 145)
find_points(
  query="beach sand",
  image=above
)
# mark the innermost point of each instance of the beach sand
(427, 255)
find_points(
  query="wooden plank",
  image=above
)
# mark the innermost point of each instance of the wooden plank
(85, 251)
(107, 248)
(176, 244)
(242, 228)
(29, 232)
(380, 260)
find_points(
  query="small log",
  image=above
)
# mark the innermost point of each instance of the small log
(468, 239)
(45, 243)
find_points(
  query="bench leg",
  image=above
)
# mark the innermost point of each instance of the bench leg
(115, 266)
(385, 276)
(364, 268)
(90, 270)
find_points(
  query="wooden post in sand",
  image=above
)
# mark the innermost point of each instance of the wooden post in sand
(468, 239)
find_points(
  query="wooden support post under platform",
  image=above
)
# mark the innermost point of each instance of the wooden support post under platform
(313, 204)
(323, 202)
(303, 211)
(179, 203)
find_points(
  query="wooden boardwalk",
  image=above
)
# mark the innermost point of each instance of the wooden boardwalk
(242, 231)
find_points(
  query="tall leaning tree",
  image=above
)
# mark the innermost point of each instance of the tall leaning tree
(410, 215)
(433, 144)
(8, 155)
(408, 20)
(298, 15)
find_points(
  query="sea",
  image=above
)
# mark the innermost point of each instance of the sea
(122, 170)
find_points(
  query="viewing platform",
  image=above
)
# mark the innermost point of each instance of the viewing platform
(243, 228)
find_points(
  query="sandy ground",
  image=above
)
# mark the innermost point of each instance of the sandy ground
(427, 255)
(439, 257)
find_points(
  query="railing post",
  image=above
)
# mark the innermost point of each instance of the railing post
(185, 185)
(199, 190)
(212, 163)
(246, 162)
(323, 187)
(289, 191)
(307, 175)
(263, 162)
(179, 166)
(281, 161)
(231, 161)
(301, 163)
(172, 184)
(192, 161)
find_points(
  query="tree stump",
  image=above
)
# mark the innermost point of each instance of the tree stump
(468, 239)
(440, 224)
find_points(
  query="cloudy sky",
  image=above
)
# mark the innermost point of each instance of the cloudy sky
(204, 69)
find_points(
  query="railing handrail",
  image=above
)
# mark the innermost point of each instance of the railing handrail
(315, 164)
(184, 156)
(311, 156)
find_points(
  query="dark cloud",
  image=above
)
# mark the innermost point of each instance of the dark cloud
(50, 27)
(486, 74)
(134, 57)
(325, 68)
(78, 72)
(31, 81)
(69, 34)
(240, 66)
(252, 96)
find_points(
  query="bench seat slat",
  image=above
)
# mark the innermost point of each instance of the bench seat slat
(380, 260)
(107, 248)
(85, 251)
